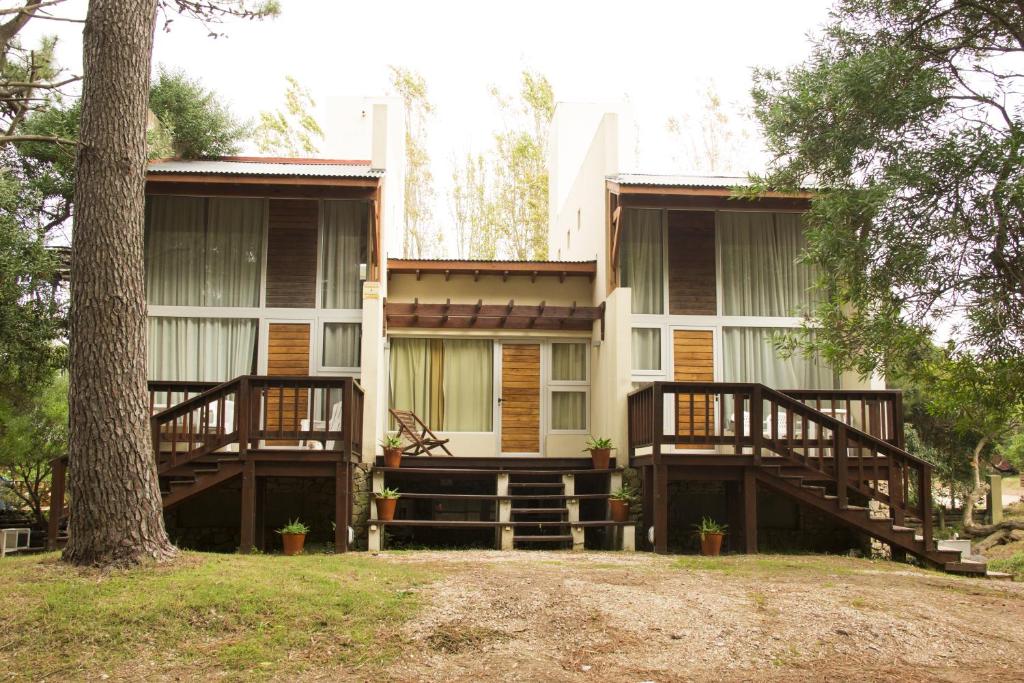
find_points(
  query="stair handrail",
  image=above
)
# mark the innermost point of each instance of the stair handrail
(187, 407)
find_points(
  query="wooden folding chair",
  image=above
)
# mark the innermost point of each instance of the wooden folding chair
(423, 440)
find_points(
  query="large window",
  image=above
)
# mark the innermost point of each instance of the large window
(641, 259)
(204, 251)
(750, 356)
(448, 383)
(569, 386)
(201, 349)
(344, 253)
(761, 275)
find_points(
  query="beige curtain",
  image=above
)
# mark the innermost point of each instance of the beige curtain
(569, 362)
(761, 274)
(568, 410)
(640, 258)
(468, 385)
(646, 348)
(448, 383)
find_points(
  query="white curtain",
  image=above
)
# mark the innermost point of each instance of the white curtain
(204, 252)
(467, 385)
(342, 342)
(640, 258)
(344, 249)
(200, 349)
(750, 356)
(568, 410)
(646, 348)
(760, 272)
(568, 362)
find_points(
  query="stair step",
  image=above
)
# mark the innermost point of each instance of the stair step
(542, 539)
(536, 485)
(902, 529)
(971, 568)
(820, 490)
(540, 511)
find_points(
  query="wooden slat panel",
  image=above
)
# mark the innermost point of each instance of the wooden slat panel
(291, 255)
(693, 354)
(288, 354)
(520, 400)
(691, 263)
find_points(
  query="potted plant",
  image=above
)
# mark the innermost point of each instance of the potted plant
(619, 502)
(293, 537)
(386, 501)
(711, 534)
(392, 445)
(600, 452)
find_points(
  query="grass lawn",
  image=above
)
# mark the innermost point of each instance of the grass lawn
(227, 616)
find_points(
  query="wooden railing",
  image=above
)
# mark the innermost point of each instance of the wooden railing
(748, 419)
(166, 393)
(256, 411)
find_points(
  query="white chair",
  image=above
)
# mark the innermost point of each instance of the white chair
(10, 540)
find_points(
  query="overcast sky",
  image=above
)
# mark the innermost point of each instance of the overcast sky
(660, 56)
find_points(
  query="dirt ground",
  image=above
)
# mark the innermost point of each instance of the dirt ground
(547, 616)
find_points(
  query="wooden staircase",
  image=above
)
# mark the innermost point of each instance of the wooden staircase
(540, 510)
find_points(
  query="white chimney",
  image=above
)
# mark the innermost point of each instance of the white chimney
(379, 146)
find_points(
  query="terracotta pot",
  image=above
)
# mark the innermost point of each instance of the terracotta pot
(711, 544)
(293, 543)
(392, 457)
(620, 510)
(386, 508)
(600, 457)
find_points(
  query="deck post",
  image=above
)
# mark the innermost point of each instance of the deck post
(248, 530)
(261, 506)
(749, 510)
(661, 509)
(341, 505)
(756, 422)
(504, 511)
(577, 537)
(647, 504)
(629, 538)
(59, 477)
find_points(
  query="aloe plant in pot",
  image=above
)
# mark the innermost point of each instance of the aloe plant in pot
(392, 445)
(600, 452)
(293, 537)
(386, 501)
(711, 534)
(619, 503)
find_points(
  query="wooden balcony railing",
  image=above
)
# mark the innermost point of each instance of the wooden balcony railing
(821, 431)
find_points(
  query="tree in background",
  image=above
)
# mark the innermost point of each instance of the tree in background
(193, 117)
(908, 118)
(291, 130)
(507, 209)
(421, 238)
(33, 432)
(715, 141)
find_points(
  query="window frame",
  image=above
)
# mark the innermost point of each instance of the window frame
(552, 386)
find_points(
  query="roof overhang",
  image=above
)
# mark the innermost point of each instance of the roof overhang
(504, 269)
(704, 197)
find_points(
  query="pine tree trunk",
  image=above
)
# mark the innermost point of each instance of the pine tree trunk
(116, 514)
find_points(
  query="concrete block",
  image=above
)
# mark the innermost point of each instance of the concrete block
(375, 538)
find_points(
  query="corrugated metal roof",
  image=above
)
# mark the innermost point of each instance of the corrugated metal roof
(674, 180)
(467, 260)
(320, 168)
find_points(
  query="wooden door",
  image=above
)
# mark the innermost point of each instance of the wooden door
(287, 355)
(520, 398)
(694, 361)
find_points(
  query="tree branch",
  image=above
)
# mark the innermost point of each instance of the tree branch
(5, 139)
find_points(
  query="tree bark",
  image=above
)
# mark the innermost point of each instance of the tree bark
(980, 488)
(116, 516)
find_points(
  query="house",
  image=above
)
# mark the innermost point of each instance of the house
(280, 337)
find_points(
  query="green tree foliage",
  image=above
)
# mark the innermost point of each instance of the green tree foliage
(503, 209)
(292, 129)
(421, 238)
(193, 117)
(33, 431)
(907, 116)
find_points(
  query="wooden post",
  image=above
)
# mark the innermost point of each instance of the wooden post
(661, 509)
(248, 523)
(924, 495)
(261, 507)
(756, 422)
(59, 478)
(341, 507)
(842, 469)
(244, 411)
(749, 510)
(647, 504)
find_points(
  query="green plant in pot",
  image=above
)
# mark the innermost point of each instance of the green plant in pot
(293, 537)
(619, 503)
(600, 452)
(392, 445)
(711, 534)
(386, 501)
